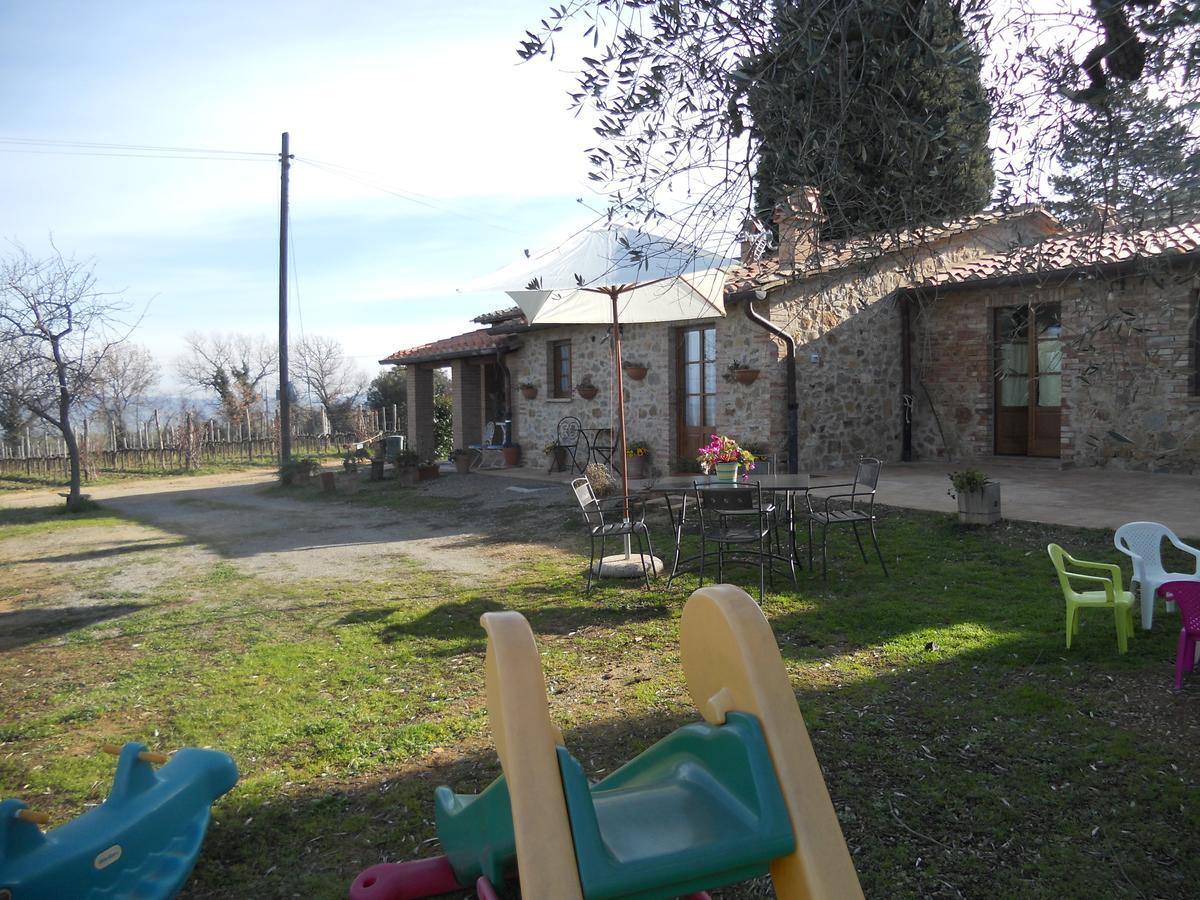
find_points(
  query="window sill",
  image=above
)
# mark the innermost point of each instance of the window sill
(559, 399)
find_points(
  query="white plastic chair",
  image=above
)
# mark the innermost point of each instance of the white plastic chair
(1142, 542)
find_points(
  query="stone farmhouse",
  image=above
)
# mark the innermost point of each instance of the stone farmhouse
(996, 334)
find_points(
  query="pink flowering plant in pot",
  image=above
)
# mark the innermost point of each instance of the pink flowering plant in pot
(723, 456)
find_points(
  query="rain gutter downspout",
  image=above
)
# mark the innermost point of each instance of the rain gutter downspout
(793, 405)
(907, 401)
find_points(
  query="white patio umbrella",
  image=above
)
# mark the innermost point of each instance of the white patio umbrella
(616, 276)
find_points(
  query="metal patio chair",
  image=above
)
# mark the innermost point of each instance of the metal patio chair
(860, 508)
(603, 449)
(569, 436)
(606, 519)
(734, 516)
(490, 450)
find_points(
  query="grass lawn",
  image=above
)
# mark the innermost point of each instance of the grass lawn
(968, 753)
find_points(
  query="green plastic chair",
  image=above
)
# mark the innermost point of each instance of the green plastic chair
(1113, 596)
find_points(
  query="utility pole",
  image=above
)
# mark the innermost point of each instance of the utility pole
(285, 425)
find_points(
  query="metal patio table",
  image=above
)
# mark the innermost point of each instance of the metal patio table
(790, 486)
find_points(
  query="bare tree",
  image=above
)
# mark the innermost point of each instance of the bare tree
(333, 377)
(56, 328)
(231, 366)
(121, 379)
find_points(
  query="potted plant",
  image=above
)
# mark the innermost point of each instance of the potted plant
(558, 454)
(978, 498)
(462, 460)
(635, 370)
(528, 389)
(637, 456)
(512, 455)
(586, 389)
(742, 373)
(406, 467)
(723, 456)
(427, 469)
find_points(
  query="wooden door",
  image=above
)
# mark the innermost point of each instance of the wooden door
(1028, 373)
(696, 398)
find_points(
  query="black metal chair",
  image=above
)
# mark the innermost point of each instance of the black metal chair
(733, 515)
(603, 448)
(860, 508)
(685, 521)
(596, 516)
(568, 436)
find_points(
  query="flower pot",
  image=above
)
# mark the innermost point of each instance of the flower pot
(328, 484)
(512, 457)
(746, 376)
(588, 391)
(636, 465)
(462, 464)
(727, 472)
(377, 468)
(528, 392)
(425, 473)
(980, 507)
(406, 476)
(637, 373)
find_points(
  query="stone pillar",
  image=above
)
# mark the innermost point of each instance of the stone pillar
(420, 410)
(468, 401)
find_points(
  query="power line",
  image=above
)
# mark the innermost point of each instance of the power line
(411, 197)
(131, 155)
(105, 146)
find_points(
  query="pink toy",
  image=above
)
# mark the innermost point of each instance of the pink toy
(1186, 594)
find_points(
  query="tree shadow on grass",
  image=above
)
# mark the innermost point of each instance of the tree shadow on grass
(32, 624)
(108, 552)
(458, 621)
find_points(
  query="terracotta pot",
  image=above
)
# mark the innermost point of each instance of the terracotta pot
(425, 473)
(328, 485)
(512, 456)
(636, 465)
(588, 391)
(407, 476)
(528, 392)
(462, 464)
(637, 373)
(746, 376)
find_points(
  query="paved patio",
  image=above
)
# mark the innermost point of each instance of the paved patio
(1032, 489)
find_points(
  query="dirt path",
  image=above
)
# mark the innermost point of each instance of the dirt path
(456, 528)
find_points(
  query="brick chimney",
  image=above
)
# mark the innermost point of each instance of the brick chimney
(798, 218)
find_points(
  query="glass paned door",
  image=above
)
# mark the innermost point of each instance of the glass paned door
(1028, 374)
(696, 357)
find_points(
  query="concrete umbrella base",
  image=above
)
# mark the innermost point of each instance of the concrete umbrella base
(617, 566)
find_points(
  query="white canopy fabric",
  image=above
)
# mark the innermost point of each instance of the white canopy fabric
(616, 276)
(657, 280)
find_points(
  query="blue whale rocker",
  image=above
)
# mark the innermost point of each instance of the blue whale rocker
(141, 843)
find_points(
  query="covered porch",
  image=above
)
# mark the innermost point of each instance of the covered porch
(481, 387)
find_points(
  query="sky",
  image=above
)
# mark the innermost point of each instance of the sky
(427, 157)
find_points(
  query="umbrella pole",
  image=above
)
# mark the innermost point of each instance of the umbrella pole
(616, 325)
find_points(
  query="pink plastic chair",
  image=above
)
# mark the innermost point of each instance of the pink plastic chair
(1186, 594)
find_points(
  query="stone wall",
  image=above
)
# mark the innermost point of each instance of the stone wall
(848, 354)
(847, 330)
(1128, 363)
(752, 414)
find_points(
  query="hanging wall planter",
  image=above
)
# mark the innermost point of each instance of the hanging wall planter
(529, 391)
(587, 391)
(635, 372)
(746, 376)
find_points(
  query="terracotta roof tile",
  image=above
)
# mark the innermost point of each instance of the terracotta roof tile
(469, 344)
(1074, 252)
(835, 255)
